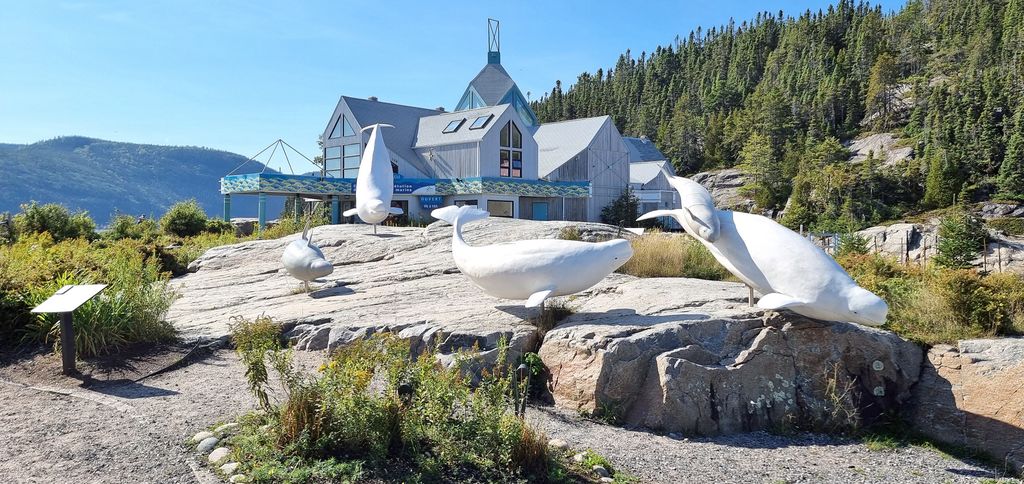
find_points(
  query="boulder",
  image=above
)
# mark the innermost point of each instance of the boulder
(725, 186)
(971, 395)
(708, 364)
(402, 281)
(991, 210)
(915, 243)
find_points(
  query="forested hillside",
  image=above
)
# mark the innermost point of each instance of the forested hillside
(778, 95)
(104, 177)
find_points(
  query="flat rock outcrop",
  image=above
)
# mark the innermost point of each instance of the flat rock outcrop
(972, 395)
(883, 146)
(725, 186)
(708, 364)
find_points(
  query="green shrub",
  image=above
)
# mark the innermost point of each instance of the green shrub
(350, 420)
(219, 226)
(666, 255)
(1010, 225)
(851, 243)
(54, 219)
(130, 310)
(184, 219)
(622, 210)
(571, 232)
(128, 227)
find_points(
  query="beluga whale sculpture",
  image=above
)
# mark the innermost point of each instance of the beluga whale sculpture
(375, 182)
(533, 270)
(787, 269)
(304, 260)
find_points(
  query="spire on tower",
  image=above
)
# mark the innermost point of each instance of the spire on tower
(493, 42)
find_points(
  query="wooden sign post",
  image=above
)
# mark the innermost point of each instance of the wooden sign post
(64, 302)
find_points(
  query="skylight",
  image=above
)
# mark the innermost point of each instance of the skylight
(481, 121)
(454, 126)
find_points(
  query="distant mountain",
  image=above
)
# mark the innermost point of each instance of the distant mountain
(108, 177)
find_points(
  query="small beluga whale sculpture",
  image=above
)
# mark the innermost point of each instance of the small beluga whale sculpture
(787, 269)
(375, 182)
(304, 260)
(533, 270)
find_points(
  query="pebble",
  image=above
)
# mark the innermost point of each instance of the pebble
(207, 444)
(229, 468)
(558, 444)
(578, 457)
(219, 454)
(226, 428)
(600, 470)
(607, 479)
(238, 478)
(201, 436)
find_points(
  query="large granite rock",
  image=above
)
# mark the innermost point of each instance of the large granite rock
(972, 395)
(725, 186)
(915, 243)
(691, 356)
(885, 148)
(403, 280)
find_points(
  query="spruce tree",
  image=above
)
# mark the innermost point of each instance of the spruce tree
(881, 99)
(1011, 172)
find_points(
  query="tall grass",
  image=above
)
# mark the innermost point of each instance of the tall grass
(669, 255)
(939, 305)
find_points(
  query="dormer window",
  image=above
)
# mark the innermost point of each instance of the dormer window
(511, 153)
(480, 122)
(454, 126)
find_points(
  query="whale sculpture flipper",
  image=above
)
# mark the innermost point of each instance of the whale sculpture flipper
(396, 211)
(537, 298)
(777, 300)
(656, 214)
(350, 212)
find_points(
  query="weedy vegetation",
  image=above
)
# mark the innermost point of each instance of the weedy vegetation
(670, 255)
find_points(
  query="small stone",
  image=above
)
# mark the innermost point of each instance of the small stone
(229, 468)
(201, 436)
(226, 428)
(607, 479)
(558, 444)
(675, 435)
(207, 444)
(219, 454)
(238, 478)
(578, 457)
(600, 470)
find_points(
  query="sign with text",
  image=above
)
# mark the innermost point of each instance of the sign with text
(430, 202)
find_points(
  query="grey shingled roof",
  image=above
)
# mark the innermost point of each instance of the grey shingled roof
(405, 119)
(558, 142)
(642, 149)
(492, 83)
(431, 128)
(644, 172)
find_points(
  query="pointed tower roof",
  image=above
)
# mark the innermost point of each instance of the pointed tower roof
(493, 86)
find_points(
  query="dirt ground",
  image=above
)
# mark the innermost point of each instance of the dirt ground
(106, 427)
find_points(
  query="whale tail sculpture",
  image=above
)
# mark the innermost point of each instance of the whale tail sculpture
(462, 215)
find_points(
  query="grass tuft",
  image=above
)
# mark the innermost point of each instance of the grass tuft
(670, 255)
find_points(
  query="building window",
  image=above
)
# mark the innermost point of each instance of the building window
(332, 161)
(480, 122)
(500, 208)
(463, 203)
(351, 153)
(342, 128)
(511, 153)
(454, 126)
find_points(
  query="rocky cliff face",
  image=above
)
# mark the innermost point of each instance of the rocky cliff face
(915, 243)
(672, 354)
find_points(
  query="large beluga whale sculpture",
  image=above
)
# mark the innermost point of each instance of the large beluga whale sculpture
(375, 182)
(787, 269)
(533, 270)
(304, 260)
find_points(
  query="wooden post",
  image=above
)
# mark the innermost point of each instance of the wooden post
(984, 255)
(750, 296)
(67, 344)
(999, 254)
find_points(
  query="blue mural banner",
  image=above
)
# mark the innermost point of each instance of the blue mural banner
(430, 202)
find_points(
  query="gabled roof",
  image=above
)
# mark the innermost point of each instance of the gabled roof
(405, 119)
(642, 149)
(644, 172)
(492, 83)
(431, 128)
(558, 142)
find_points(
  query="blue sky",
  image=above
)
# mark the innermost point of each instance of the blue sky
(237, 75)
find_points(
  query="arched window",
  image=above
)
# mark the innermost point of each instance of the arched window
(511, 159)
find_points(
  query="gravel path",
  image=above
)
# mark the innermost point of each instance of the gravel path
(57, 430)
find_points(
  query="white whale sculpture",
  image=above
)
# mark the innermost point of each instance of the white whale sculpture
(304, 260)
(786, 268)
(533, 270)
(375, 183)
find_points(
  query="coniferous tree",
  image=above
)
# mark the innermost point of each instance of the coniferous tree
(881, 98)
(1011, 172)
